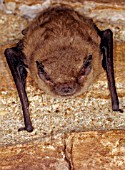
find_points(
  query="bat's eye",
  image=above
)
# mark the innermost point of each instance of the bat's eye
(43, 74)
(85, 69)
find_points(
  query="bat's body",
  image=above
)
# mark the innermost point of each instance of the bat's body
(64, 53)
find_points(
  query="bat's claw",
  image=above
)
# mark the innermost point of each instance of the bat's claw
(116, 108)
(28, 128)
(120, 110)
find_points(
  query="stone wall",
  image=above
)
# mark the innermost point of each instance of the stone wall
(80, 133)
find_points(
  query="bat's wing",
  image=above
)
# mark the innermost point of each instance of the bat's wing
(107, 63)
(14, 58)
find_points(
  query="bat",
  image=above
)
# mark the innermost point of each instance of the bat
(64, 53)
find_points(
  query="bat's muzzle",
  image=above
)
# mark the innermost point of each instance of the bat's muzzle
(66, 89)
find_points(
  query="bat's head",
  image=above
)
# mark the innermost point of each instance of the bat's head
(66, 71)
(63, 54)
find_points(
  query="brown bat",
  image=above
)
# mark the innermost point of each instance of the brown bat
(64, 52)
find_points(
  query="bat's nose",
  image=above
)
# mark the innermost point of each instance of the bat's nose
(66, 89)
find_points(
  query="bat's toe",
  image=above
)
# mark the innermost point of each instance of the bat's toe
(116, 108)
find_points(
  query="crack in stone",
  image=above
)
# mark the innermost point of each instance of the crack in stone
(68, 152)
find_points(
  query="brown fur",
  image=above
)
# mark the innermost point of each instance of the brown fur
(60, 39)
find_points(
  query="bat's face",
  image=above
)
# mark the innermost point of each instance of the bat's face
(64, 70)
(63, 59)
(67, 70)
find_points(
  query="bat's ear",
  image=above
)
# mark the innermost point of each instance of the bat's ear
(85, 69)
(44, 76)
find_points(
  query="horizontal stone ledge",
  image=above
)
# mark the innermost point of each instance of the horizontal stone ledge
(84, 151)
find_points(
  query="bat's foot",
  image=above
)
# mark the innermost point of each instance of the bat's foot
(116, 108)
(28, 129)
(119, 110)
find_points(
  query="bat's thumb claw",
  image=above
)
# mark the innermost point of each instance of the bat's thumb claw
(120, 110)
(28, 128)
(116, 108)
